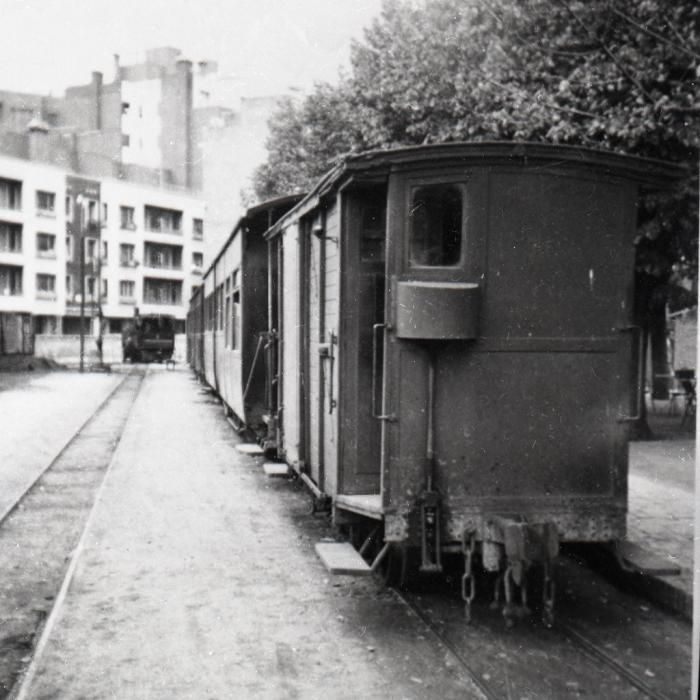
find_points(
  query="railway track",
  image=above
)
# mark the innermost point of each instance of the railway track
(41, 528)
(604, 644)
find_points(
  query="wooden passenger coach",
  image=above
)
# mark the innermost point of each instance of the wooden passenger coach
(449, 349)
(227, 322)
(455, 344)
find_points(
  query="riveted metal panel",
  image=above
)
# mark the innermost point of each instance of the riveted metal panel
(528, 411)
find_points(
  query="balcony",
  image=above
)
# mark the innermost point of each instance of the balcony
(162, 221)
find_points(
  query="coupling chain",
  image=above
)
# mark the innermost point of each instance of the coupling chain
(548, 596)
(468, 580)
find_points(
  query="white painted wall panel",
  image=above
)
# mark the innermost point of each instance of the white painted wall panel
(290, 345)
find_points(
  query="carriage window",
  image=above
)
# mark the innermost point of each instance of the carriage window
(235, 310)
(436, 226)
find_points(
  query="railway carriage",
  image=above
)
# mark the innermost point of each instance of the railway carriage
(450, 351)
(227, 321)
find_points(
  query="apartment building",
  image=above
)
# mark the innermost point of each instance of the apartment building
(151, 251)
(32, 252)
(141, 248)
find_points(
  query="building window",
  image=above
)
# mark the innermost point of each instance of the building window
(45, 245)
(167, 257)
(10, 280)
(105, 251)
(69, 286)
(10, 237)
(161, 220)
(45, 202)
(46, 325)
(435, 226)
(126, 254)
(126, 216)
(105, 290)
(46, 286)
(90, 250)
(92, 211)
(198, 259)
(156, 291)
(90, 286)
(197, 229)
(127, 291)
(69, 207)
(69, 248)
(10, 194)
(105, 211)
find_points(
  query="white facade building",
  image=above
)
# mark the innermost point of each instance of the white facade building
(32, 246)
(145, 250)
(153, 239)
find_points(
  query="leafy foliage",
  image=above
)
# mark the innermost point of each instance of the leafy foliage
(616, 74)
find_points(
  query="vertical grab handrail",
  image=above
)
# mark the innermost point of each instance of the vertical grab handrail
(640, 373)
(375, 328)
(255, 361)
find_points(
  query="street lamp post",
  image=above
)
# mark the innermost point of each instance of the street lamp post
(81, 232)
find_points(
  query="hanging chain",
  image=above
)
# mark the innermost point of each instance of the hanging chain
(548, 596)
(468, 579)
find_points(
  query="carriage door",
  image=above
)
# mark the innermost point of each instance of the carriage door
(363, 313)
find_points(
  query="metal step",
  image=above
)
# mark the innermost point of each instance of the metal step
(342, 558)
(249, 448)
(275, 469)
(645, 562)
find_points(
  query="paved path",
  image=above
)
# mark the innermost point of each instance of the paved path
(197, 579)
(39, 413)
(662, 503)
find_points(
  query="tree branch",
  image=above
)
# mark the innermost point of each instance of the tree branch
(679, 36)
(584, 48)
(608, 52)
(652, 33)
(550, 103)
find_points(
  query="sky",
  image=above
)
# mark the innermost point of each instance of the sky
(267, 45)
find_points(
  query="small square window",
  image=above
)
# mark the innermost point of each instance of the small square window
(126, 217)
(45, 202)
(46, 286)
(46, 245)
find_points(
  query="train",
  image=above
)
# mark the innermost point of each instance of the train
(148, 338)
(439, 341)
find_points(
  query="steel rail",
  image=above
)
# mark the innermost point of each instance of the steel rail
(25, 491)
(597, 654)
(445, 642)
(566, 631)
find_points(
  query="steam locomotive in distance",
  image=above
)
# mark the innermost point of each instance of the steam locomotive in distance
(148, 338)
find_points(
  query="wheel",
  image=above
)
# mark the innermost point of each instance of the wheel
(400, 566)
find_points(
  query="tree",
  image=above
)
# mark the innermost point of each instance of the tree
(622, 75)
(305, 140)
